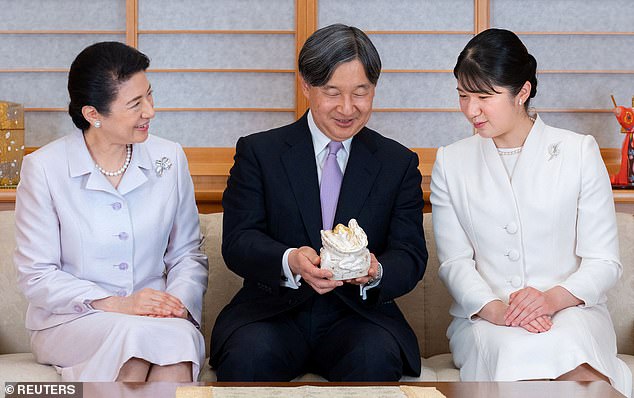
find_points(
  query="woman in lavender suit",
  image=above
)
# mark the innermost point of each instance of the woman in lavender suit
(108, 240)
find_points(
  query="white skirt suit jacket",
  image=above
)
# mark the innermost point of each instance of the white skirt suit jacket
(551, 223)
(79, 239)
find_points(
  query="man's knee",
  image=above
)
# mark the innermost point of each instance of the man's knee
(255, 353)
(375, 357)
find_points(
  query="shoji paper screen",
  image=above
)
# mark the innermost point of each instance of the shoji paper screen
(220, 69)
(38, 40)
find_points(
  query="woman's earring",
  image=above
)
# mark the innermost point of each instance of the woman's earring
(97, 123)
(520, 102)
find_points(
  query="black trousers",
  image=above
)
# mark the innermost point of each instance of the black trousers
(322, 336)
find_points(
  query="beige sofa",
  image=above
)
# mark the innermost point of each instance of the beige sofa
(426, 307)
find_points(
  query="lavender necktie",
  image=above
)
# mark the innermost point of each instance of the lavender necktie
(331, 177)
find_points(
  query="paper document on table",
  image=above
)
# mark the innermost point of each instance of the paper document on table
(421, 392)
(309, 392)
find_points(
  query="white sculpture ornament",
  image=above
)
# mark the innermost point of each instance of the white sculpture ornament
(344, 251)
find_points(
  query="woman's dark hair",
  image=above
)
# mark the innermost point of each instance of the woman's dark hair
(96, 74)
(333, 45)
(496, 57)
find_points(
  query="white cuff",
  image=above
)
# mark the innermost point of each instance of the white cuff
(370, 285)
(287, 277)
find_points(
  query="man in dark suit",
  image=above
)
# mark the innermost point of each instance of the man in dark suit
(289, 318)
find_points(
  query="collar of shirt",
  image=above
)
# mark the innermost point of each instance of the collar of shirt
(320, 145)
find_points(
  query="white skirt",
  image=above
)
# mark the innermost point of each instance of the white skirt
(94, 347)
(487, 352)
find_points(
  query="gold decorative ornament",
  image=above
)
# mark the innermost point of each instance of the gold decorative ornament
(11, 143)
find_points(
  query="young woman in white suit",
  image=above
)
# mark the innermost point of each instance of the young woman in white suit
(108, 240)
(526, 231)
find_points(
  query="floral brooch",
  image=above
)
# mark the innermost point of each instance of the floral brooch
(553, 150)
(161, 165)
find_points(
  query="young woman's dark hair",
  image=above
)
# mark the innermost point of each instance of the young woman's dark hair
(96, 74)
(496, 57)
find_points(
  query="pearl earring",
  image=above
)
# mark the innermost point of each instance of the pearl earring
(520, 102)
(97, 123)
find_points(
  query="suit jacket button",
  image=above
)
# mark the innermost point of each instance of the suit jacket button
(511, 228)
(516, 281)
(513, 255)
(78, 308)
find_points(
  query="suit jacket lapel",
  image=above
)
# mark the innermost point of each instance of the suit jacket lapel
(534, 154)
(361, 172)
(135, 175)
(80, 163)
(494, 165)
(301, 170)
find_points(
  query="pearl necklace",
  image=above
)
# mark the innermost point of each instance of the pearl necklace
(516, 150)
(509, 153)
(122, 169)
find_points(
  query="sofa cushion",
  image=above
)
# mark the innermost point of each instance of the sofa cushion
(22, 367)
(440, 368)
(13, 336)
(223, 284)
(621, 296)
(426, 308)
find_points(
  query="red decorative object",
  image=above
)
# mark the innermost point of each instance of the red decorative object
(625, 117)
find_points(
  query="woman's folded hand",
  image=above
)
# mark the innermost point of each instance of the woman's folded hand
(149, 302)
